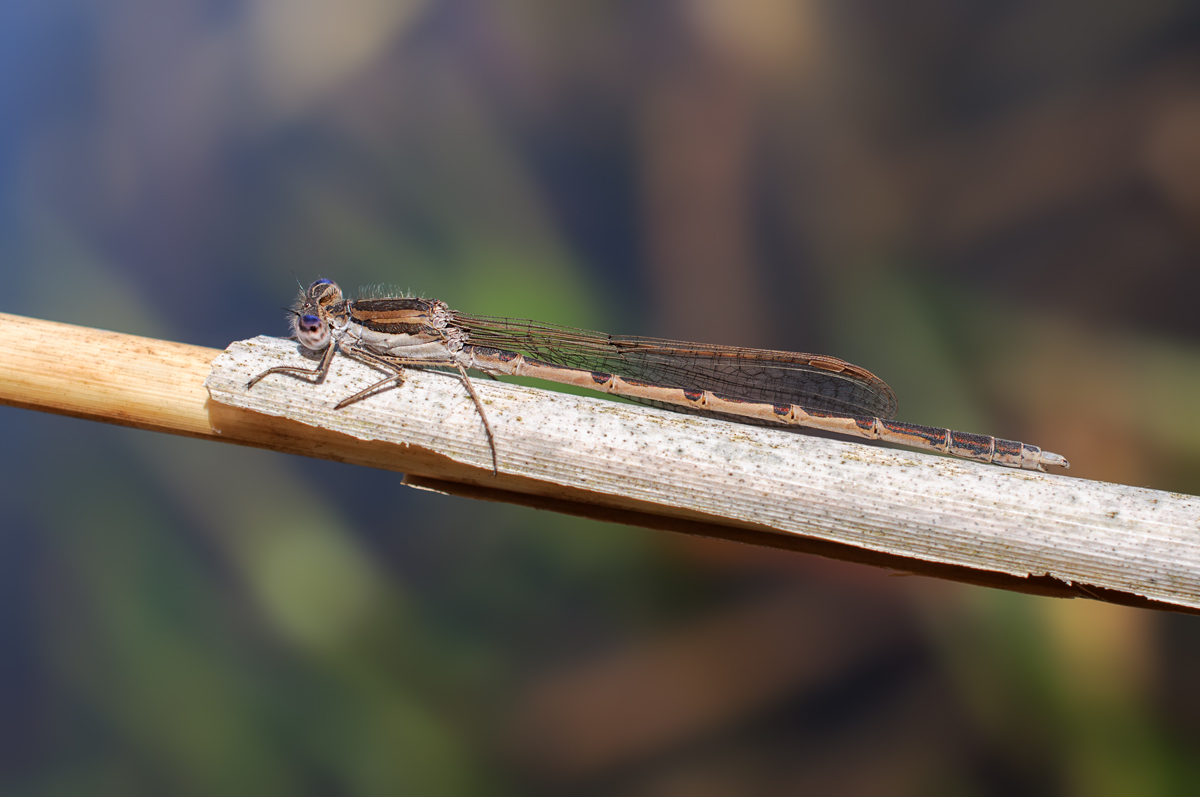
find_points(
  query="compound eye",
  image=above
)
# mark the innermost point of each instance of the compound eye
(311, 331)
(324, 292)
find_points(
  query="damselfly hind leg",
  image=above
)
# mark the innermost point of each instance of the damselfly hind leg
(396, 365)
(462, 374)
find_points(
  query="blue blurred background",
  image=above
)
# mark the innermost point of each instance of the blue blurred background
(994, 206)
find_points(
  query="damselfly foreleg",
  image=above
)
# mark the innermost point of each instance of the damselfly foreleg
(320, 372)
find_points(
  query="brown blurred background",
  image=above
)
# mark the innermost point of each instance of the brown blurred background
(994, 206)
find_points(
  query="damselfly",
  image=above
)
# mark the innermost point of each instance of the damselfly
(733, 383)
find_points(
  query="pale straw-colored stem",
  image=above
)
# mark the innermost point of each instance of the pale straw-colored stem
(1042, 533)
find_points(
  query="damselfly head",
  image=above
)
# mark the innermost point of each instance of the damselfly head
(311, 331)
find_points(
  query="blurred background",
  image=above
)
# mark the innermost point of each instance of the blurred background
(994, 206)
